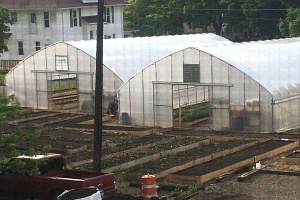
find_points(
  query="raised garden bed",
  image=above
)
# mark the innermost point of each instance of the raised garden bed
(124, 147)
(136, 131)
(175, 162)
(122, 161)
(216, 167)
(291, 159)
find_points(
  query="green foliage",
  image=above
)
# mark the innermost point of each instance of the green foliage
(2, 78)
(258, 19)
(8, 107)
(8, 152)
(4, 22)
(210, 186)
(193, 112)
(183, 193)
(290, 26)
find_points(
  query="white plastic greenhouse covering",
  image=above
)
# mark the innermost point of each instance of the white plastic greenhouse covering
(250, 86)
(56, 73)
(127, 56)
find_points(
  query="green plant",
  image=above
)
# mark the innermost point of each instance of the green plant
(193, 112)
(9, 150)
(210, 186)
(185, 193)
(9, 107)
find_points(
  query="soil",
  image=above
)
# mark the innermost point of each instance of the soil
(169, 161)
(106, 127)
(230, 159)
(124, 158)
(261, 186)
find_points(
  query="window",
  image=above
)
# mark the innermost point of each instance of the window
(33, 18)
(191, 73)
(112, 15)
(37, 45)
(106, 15)
(20, 48)
(14, 17)
(61, 63)
(79, 15)
(91, 35)
(46, 19)
(74, 18)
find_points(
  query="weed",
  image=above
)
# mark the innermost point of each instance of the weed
(210, 186)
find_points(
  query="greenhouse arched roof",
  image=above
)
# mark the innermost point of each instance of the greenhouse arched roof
(275, 64)
(127, 56)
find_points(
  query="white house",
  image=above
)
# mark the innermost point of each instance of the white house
(37, 24)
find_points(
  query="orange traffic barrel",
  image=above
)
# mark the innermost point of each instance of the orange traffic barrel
(149, 187)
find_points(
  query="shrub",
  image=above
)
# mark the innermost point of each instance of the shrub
(8, 107)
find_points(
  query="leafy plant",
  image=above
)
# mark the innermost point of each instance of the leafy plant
(8, 152)
(8, 107)
(193, 112)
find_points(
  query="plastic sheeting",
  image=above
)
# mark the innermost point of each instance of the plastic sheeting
(127, 56)
(36, 80)
(265, 95)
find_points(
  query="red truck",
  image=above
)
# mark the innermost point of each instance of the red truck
(52, 179)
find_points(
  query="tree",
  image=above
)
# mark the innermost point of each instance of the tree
(290, 26)
(155, 17)
(4, 21)
(257, 18)
(262, 18)
(8, 141)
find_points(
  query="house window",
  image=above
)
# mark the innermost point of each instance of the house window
(61, 63)
(79, 16)
(14, 17)
(112, 15)
(106, 15)
(46, 19)
(91, 35)
(20, 48)
(37, 45)
(74, 18)
(33, 18)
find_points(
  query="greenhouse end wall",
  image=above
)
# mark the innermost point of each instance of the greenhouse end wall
(33, 81)
(244, 107)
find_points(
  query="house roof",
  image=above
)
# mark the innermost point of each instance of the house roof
(53, 4)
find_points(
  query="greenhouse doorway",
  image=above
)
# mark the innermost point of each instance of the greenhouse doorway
(205, 105)
(62, 91)
(191, 106)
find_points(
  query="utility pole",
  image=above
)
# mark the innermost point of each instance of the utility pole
(98, 90)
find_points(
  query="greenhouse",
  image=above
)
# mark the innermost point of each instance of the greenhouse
(127, 56)
(243, 87)
(60, 77)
